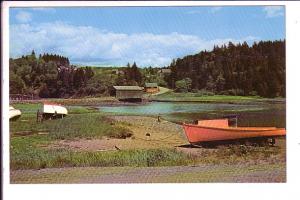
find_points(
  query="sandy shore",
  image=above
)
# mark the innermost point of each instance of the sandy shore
(148, 133)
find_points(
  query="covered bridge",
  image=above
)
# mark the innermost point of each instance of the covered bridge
(130, 93)
(151, 87)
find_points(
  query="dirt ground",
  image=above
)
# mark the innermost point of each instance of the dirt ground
(148, 133)
(177, 174)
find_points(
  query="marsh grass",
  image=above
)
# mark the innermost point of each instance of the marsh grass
(33, 150)
(82, 122)
(31, 108)
(26, 153)
(235, 154)
(73, 101)
(86, 126)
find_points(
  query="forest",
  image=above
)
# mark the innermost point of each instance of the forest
(232, 69)
(52, 76)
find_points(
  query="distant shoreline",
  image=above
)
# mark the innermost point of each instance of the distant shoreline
(111, 101)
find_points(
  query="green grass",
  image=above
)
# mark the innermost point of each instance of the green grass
(30, 153)
(224, 174)
(28, 108)
(86, 101)
(30, 150)
(173, 96)
(31, 108)
(205, 173)
(87, 126)
(33, 152)
(242, 154)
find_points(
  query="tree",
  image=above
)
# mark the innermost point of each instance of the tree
(16, 84)
(220, 83)
(183, 85)
(210, 84)
(137, 76)
(238, 67)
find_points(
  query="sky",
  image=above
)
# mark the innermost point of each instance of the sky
(149, 36)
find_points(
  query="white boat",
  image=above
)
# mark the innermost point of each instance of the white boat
(54, 111)
(14, 113)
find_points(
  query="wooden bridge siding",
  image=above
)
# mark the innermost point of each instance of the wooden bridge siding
(129, 94)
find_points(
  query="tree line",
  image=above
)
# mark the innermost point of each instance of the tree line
(46, 76)
(52, 76)
(232, 70)
(228, 69)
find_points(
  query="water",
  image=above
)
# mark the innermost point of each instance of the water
(248, 115)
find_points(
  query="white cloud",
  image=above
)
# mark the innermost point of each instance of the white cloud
(215, 9)
(191, 12)
(44, 9)
(84, 44)
(212, 10)
(273, 11)
(23, 16)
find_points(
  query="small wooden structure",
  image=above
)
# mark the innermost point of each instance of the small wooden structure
(151, 87)
(129, 93)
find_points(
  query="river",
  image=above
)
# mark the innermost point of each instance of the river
(256, 114)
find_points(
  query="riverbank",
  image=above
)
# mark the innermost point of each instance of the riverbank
(152, 143)
(89, 138)
(89, 101)
(171, 96)
(164, 96)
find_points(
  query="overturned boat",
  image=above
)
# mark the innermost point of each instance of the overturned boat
(53, 111)
(219, 130)
(14, 114)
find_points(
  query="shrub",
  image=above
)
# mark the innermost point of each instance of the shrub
(122, 133)
(235, 92)
(253, 93)
(204, 93)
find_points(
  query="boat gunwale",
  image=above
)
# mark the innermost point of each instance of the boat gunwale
(244, 129)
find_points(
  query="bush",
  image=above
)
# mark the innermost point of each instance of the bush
(234, 92)
(122, 133)
(204, 93)
(183, 85)
(226, 92)
(253, 93)
(195, 91)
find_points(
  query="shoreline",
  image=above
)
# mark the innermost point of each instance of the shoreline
(113, 103)
(244, 102)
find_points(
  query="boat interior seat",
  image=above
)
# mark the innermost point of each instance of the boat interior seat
(222, 123)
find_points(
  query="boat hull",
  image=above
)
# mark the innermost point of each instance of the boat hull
(14, 113)
(54, 109)
(197, 133)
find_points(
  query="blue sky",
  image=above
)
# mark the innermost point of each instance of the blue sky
(147, 35)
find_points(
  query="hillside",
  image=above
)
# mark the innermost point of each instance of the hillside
(233, 70)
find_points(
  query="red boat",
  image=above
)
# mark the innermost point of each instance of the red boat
(219, 130)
